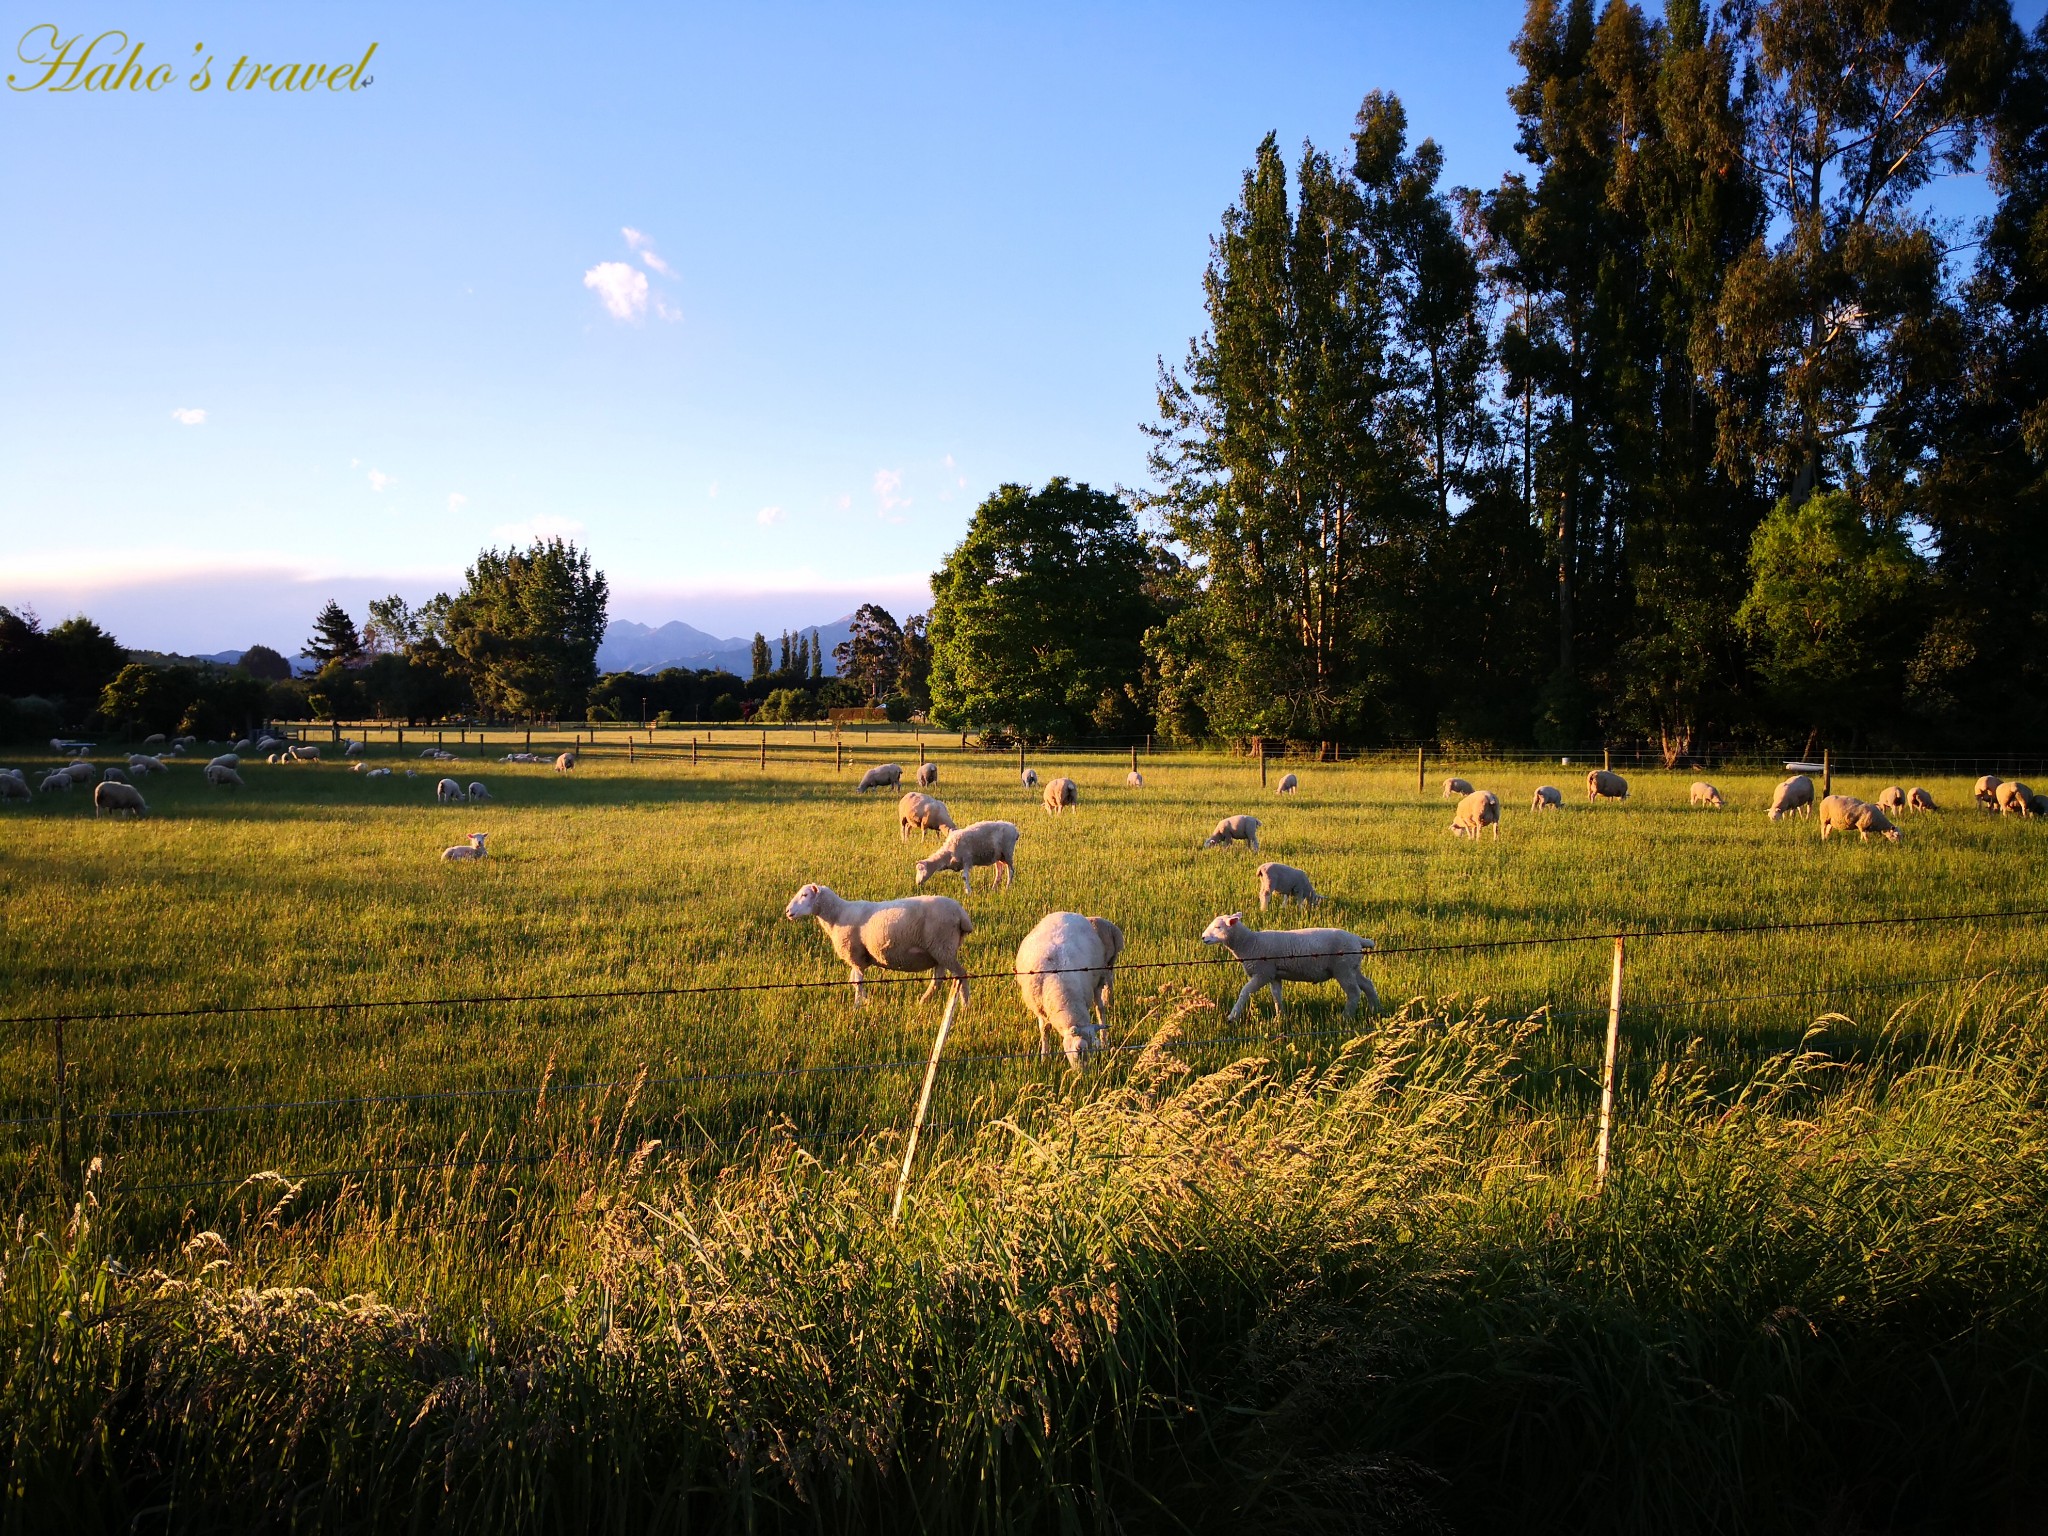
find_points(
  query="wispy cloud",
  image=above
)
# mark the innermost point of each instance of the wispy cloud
(378, 480)
(457, 501)
(666, 310)
(189, 416)
(768, 517)
(888, 483)
(622, 290)
(545, 526)
(644, 245)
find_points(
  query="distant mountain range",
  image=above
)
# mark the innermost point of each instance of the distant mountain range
(630, 647)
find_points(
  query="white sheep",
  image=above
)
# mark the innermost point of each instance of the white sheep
(1892, 800)
(1302, 954)
(143, 764)
(921, 811)
(477, 791)
(1987, 791)
(223, 777)
(1288, 784)
(2015, 799)
(1234, 829)
(1705, 794)
(245, 745)
(969, 848)
(81, 773)
(351, 749)
(473, 849)
(1843, 813)
(1066, 970)
(53, 782)
(1603, 785)
(1134, 780)
(1476, 812)
(112, 775)
(881, 776)
(565, 762)
(1795, 794)
(911, 933)
(302, 754)
(378, 773)
(1548, 797)
(155, 740)
(1917, 799)
(1456, 789)
(448, 792)
(226, 760)
(1059, 794)
(1284, 880)
(1030, 778)
(118, 797)
(12, 788)
(429, 752)
(927, 775)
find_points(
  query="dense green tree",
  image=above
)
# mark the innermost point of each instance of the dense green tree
(262, 662)
(526, 627)
(871, 656)
(334, 636)
(914, 662)
(763, 662)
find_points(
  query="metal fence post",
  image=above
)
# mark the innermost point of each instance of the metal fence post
(924, 1101)
(1607, 1071)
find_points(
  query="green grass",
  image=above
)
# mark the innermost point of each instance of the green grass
(1269, 1209)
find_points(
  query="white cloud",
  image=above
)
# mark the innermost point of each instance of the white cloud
(888, 482)
(768, 517)
(645, 246)
(654, 261)
(189, 416)
(949, 461)
(457, 501)
(666, 310)
(378, 480)
(545, 526)
(623, 290)
(634, 239)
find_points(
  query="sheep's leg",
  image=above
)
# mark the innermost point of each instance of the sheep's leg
(1044, 1039)
(1263, 895)
(859, 992)
(967, 880)
(1244, 997)
(929, 988)
(1279, 1009)
(1350, 986)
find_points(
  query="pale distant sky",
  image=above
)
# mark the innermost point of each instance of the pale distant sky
(754, 301)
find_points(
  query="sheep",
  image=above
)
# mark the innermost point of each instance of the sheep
(1029, 777)
(927, 775)
(1892, 800)
(522, 757)
(146, 765)
(882, 776)
(2037, 805)
(80, 773)
(1987, 791)
(911, 933)
(1456, 789)
(1602, 785)
(1917, 799)
(12, 788)
(565, 763)
(429, 752)
(1795, 794)
(118, 797)
(924, 813)
(970, 847)
(351, 749)
(378, 773)
(56, 781)
(1840, 813)
(226, 760)
(223, 778)
(112, 775)
(1059, 794)
(477, 790)
(1284, 880)
(1548, 797)
(2015, 799)
(302, 754)
(270, 744)
(1705, 794)
(1288, 784)
(448, 792)
(1303, 954)
(1134, 780)
(1066, 971)
(245, 745)
(1234, 829)
(1476, 812)
(473, 849)
(156, 740)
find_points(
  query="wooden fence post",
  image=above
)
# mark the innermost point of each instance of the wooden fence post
(1606, 757)
(764, 749)
(1827, 773)
(693, 751)
(1607, 1071)
(1421, 759)
(1259, 746)
(1134, 757)
(838, 753)
(924, 1100)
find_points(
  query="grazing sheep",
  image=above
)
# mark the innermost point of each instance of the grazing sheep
(1476, 812)
(477, 790)
(302, 754)
(1288, 784)
(927, 775)
(147, 765)
(81, 773)
(1602, 785)
(1917, 799)
(1548, 797)
(1705, 794)
(1304, 954)
(1066, 970)
(970, 847)
(1456, 789)
(351, 749)
(1892, 799)
(245, 745)
(1030, 778)
(1134, 780)
(112, 775)
(885, 776)
(1059, 794)
(56, 781)
(156, 740)
(2015, 799)
(448, 792)
(223, 778)
(911, 933)
(12, 788)
(226, 760)
(565, 762)
(118, 797)
(1840, 813)
(1234, 829)
(2037, 805)
(1795, 794)
(921, 811)
(1987, 791)
(270, 744)
(473, 849)
(1284, 880)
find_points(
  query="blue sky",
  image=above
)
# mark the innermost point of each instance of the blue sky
(881, 260)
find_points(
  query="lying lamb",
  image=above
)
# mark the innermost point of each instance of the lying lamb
(1548, 798)
(1059, 794)
(1841, 813)
(1795, 794)
(887, 776)
(1705, 794)
(969, 848)
(924, 813)
(912, 933)
(1284, 880)
(1602, 785)
(1066, 970)
(1476, 812)
(1234, 829)
(473, 849)
(1304, 954)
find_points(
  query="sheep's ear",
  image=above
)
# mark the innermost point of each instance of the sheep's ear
(1233, 920)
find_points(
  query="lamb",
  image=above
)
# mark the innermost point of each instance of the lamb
(927, 775)
(245, 745)
(1134, 780)
(565, 762)
(924, 813)
(1892, 800)
(302, 754)
(1987, 791)
(118, 797)
(911, 933)
(1705, 794)
(81, 773)
(1548, 797)
(1456, 789)
(1234, 829)
(111, 775)
(1795, 794)
(1602, 785)
(56, 781)
(885, 776)
(1289, 784)
(13, 788)
(2015, 799)
(1304, 954)
(223, 778)
(477, 790)
(2037, 805)
(1917, 799)
(1030, 778)
(1840, 813)
(473, 849)
(1066, 970)
(378, 773)
(156, 740)
(1284, 880)
(430, 752)
(1476, 812)
(448, 792)
(351, 749)
(270, 744)
(1059, 794)
(970, 847)
(146, 765)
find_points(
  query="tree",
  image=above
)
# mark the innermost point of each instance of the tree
(762, 661)
(871, 656)
(526, 627)
(334, 636)
(261, 661)
(1040, 612)
(914, 665)
(817, 658)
